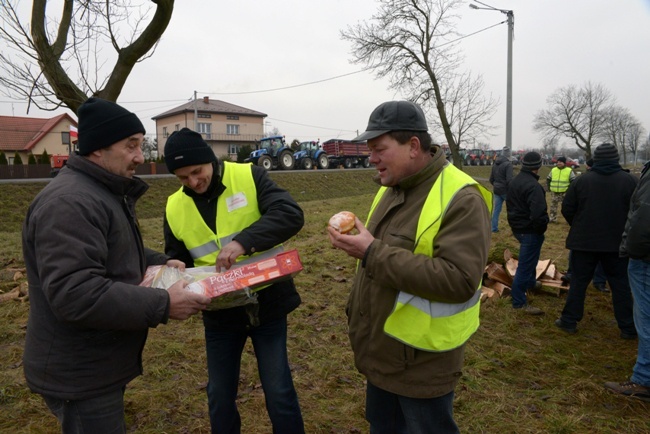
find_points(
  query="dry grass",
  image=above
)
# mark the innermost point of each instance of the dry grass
(522, 375)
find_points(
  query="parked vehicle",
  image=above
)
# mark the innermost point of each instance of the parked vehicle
(570, 162)
(475, 157)
(272, 153)
(347, 153)
(57, 161)
(491, 156)
(310, 154)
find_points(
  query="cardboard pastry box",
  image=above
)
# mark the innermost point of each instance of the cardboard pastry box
(252, 275)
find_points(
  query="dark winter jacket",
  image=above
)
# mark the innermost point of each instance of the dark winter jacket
(501, 175)
(451, 276)
(596, 206)
(526, 203)
(281, 219)
(636, 237)
(84, 255)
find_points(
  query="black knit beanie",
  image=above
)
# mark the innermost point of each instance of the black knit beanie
(531, 161)
(606, 151)
(187, 148)
(561, 159)
(102, 123)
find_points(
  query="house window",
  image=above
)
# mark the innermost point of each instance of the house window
(233, 149)
(165, 133)
(232, 129)
(232, 117)
(177, 127)
(205, 129)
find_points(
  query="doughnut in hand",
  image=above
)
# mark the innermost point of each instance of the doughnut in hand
(342, 222)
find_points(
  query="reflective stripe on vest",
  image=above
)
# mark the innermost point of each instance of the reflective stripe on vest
(560, 179)
(237, 209)
(424, 324)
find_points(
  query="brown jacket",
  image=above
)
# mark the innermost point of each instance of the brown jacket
(451, 276)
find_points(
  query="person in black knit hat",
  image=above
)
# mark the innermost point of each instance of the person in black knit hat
(528, 219)
(224, 214)
(89, 318)
(596, 206)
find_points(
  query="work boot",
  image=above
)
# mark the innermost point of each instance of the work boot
(629, 388)
(530, 310)
(570, 330)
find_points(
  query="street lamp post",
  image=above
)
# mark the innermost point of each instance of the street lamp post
(511, 30)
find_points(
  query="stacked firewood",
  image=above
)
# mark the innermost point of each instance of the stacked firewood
(498, 278)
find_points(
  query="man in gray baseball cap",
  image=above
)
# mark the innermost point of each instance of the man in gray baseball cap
(411, 349)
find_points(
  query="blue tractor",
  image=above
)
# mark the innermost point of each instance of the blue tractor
(272, 153)
(310, 154)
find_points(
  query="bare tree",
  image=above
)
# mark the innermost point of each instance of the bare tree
(467, 110)
(622, 130)
(59, 61)
(577, 113)
(411, 42)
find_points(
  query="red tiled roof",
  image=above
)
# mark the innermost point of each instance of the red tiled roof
(205, 105)
(22, 133)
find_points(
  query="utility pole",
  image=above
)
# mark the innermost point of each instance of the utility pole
(511, 31)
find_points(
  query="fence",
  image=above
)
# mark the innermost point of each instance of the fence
(26, 171)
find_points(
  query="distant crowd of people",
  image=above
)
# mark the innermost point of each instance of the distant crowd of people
(608, 211)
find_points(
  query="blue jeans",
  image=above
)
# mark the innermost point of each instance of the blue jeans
(639, 274)
(530, 247)
(584, 264)
(224, 350)
(100, 415)
(496, 210)
(389, 413)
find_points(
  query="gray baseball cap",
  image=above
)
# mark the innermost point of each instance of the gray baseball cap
(394, 116)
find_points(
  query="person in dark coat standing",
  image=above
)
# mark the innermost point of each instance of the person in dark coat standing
(596, 206)
(500, 177)
(88, 317)
(636, 246)
(528, 219)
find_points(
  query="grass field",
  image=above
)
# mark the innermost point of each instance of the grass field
(522, 375)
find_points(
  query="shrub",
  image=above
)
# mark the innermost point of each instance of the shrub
(3, 159)
(44, 158)
(31, 159)
(17, 159)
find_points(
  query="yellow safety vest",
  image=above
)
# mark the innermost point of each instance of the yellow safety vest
(430, 325)
(237, 209)
(560, 179)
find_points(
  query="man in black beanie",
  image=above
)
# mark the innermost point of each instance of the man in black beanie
(224, 214)
(527, 217)
(89, 318)
(596, 206)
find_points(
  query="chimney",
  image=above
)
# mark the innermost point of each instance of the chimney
(206, 100)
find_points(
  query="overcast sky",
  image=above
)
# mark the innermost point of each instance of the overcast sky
(236, 51)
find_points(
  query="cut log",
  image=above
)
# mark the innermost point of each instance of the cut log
(541, 268)
(496, 272)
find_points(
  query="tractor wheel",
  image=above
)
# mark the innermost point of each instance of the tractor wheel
(323, 162)
(366, 162)
(286, 160)
(265, 162)
(347, 163)
(307, 164)
(468, 161)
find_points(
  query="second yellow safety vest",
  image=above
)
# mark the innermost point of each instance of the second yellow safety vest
(430, 325)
